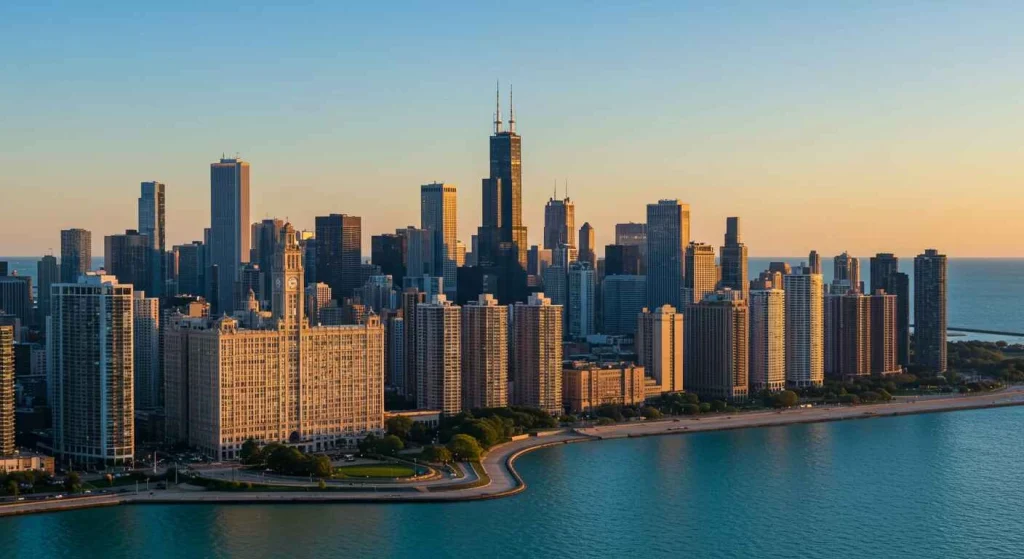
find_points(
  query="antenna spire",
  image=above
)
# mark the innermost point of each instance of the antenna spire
(497, 107)
(511, 111)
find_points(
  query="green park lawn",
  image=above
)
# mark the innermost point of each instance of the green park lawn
(374, 470)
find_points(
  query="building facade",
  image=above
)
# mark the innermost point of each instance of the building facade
(734, 258)
(668, 234)
(805, 365)
(586, 386)
(767, 355)
(659, 346)
(339, 253)
(930, 310)
(484, 354)
(7, 402)
(582, 284)
(716, 347)
(559, 223)
(701, 273)
(149, 382)
(438, 214)
(152, 225)
(622, 298)
(537, 354)
(75, 254)
(439, 356)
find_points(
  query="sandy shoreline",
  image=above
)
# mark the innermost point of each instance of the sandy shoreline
(499, 463)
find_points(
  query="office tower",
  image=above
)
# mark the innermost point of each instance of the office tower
(586, 386)
(622, 298)
(339, 252)
(537, 354)
(439, 356)
(191, 268)
(151, 224)
(275, 379)
(885, 275)
(659, 346)
(7, 395)
(484, 354)
(884, 344)
(250, 284)
(91, 371)
(4, 268)
(814, 262)
(767, 355)
(633, 234)
(411, 299)
(265, 235)
(582, 300)
(75, 254)
(318, 296)
(230, 232)
(438, 215)
(128, 258)
(559, 223)
(930, 311)
(564, 256)
(537, 260)
(622, 260)
(586, 247)
(804, 335)
(394, 351)
(717, 329)
(847, 334)
(419, 253)
(47, 274)
(460, 254)
(883, 266)
(502, 198)
(668, 234)
(701, 273)
(734, 258)
(378, 294)
(16, 298)
(556, 285)
(307, 242)
(846, 274)
(147, 365)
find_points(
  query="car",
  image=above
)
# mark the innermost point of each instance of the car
(21, 498)
(59, 497)
(88, 492)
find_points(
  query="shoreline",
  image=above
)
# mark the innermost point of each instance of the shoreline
(499, 463)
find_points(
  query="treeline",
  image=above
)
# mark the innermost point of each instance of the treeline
(286, 460)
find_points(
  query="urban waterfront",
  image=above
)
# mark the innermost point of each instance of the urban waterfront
(935, 485)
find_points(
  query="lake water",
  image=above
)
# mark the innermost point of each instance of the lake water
(939, 485)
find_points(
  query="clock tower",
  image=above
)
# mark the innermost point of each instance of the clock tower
(288, 305)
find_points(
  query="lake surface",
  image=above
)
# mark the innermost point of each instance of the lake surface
(938, 485)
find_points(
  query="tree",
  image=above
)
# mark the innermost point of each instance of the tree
(322, 485)
(250, 453)
(110, 479)
(436, 454)
(12, 487)
(482, 431)
(286, 460)
(650, 412)
(691, 409)
(390, 445)
(703, 407)
(73, 482)
(320, 466)
(421, 433)
(785, 399)
(399, 426)
(369, 444)
(718, 405)
(464, 447)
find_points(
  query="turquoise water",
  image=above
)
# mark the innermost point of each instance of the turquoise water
(937, 485)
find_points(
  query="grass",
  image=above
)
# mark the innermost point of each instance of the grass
(375, 471)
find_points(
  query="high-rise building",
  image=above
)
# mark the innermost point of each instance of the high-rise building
(378, 294)
(318, 296)
(7, 402)
(659, 346)
(230, 231)
(438, 214)
(537, 354)
(622, 298)
(804, 323)
(394, 351)
(149, 382)
(846, 274)
(484, 354)
(847, 334)
(537, 260)
(556, 286)
(388, 252)
(582, 300)
(701, 273)
(502, 199)
(586, 386)
(633, 234)
(16, 298)
(767, 355)
(734, 258)
(339, 253)
(814, 262)
(930, 311)
(439, 356)
(191, 260)
(265, 235)
(884, 343)
(717, 329)
(668, 234)
(91, 370)
(151, 224)
(128, 257)
(622, 260)
(559, 223)
(411, 299)
(270, 377)
(75, 254)
(47, 274)
(307, 242)
(419, 253)
(587, 248)
(885, 275)
(883, 266)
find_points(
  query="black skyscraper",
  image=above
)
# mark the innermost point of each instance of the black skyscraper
(885, 275)
(339, 253)
(930, 310)
(388, 252)
(75, 254)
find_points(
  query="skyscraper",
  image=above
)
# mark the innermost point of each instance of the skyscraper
(716, 357)
(230, 229)
(587, 248)
(318, 296)
(411, 300)
(537, 354)
(388, 252)
(75, 254)
(265, 235)
(623, 297)
(484, 354)
(16, 297)
(883, 266)
(151, 224)
(47, 274)
(767, 356)
(668, 234)
(502, 230)
(438, 214)
(885, 275)
(633, 234)
(622, 260)
(7, 402)
(804, 322)
(419, 253)
(339, 253)
(884, 344)
(91, 371)
(394, 351)
(439, 356)
(846, 274)
(930, 311)
(847, 334)
(659, 346)
(191, 259)
(814, 262)
(149, 382)
(582, 300)
(701, 273)
(559, 223)
(129, 257)
(734, 258)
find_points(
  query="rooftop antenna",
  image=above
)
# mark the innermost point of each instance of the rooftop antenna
(497, 107)
(566, 189)
(511, 111)
(554, 193)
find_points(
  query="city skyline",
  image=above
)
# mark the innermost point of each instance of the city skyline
(668, 113)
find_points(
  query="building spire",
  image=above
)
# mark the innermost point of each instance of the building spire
(511, 111)
(497, 107)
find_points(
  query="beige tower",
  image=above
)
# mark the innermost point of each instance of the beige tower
(6, 390)
(537, 354)
(701, 273)
(767, 339)
(484, 354)
(659, 346)
(439, 356)
(146, 326)
(804, 328)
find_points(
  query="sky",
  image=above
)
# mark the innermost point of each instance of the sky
(860, 126)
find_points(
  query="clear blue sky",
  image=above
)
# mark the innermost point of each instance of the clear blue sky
(868, 126)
